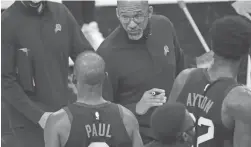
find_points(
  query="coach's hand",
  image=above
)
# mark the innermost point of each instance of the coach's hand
(148, 100)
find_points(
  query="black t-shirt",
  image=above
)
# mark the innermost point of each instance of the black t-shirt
(137, 66)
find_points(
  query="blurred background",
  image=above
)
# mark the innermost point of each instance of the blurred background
(99, 16)
(98, 20)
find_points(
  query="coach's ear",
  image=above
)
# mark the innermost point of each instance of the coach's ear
(117, 12)
(150, 11)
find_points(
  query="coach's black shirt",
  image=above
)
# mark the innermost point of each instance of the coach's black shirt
(35, 51)
(137, 66)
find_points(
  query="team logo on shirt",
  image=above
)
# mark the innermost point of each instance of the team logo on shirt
(166, 50)
(25, 50)
(97, 115)
(58, 27)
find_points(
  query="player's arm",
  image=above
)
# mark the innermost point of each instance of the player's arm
(178, 85)
(51, 134)
(237, 105)
(132, 126)
(242, 134)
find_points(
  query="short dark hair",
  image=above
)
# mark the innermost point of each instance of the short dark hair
(231, 37)
(91, 67)
(167, 122)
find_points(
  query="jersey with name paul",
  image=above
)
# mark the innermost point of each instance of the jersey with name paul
(100, 125)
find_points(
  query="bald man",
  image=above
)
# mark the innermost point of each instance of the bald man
(143, 56)
(91, 121)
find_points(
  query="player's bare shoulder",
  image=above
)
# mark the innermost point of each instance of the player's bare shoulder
(60, 120)
(129, 119)
(179, 84)
(57, 125)
(238, 103)
(183, 76)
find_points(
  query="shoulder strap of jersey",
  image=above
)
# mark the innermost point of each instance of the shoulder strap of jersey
(120, 111)
(122, 115)
(69, 114)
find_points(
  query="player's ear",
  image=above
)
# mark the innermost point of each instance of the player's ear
(185, 136)
(150, 11)
(74, 79)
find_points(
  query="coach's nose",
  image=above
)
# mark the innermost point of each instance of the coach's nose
(132, 25)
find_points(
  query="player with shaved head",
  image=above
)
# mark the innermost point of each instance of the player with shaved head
(173, 126)
(91, 121)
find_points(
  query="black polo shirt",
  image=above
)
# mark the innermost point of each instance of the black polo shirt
(137, 66)
(36, 48)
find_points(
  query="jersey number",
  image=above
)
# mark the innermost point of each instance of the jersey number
(98, 144)
(210, 133)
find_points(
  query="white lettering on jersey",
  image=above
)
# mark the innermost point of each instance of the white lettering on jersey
(204, 103)
(100, 129)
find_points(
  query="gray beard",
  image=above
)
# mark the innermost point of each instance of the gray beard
(38, 9)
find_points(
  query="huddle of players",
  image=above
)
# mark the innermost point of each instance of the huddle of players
(206, 107)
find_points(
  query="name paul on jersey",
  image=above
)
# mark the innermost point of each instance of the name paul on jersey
(100, 129)
(198, 100)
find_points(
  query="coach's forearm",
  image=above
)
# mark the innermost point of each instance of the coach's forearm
(15, 96)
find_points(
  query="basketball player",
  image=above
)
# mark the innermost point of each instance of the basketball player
(92, 121)
(220, 106)
(172, 126)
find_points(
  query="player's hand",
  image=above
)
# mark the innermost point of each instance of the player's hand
(243, 8)
(149, 100)
(43, 119)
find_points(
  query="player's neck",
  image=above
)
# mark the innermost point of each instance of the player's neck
(217, 70)
(90, 97)
(90, 94)
(89, 91)
(91, 101)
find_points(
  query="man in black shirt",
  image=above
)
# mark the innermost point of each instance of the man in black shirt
(142, 57)
(37, 39)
